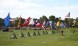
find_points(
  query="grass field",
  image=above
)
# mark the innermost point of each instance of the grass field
(69, 39)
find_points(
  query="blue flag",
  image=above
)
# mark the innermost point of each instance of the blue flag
(54, 24)
(62, 24)
(48, 23)
(7, 21)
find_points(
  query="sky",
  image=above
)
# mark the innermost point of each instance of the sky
(38, 8)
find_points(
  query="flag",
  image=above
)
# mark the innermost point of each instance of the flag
(27, 21)
(31, 22)
(24, 24)
(44, 23)
(48, 23)
(38, 25)
(35, 22)
(7, 21)
(68, 15)
(19, 22)
(58, 23)
(62, 24)
(54, 24)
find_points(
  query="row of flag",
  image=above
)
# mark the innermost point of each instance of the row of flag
(30, 21)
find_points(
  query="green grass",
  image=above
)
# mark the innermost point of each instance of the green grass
(69, 39)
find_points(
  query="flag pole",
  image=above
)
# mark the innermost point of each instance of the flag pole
(68, 16)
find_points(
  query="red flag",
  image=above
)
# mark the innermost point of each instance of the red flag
(38, 25)
(68, 15)
(26, 22)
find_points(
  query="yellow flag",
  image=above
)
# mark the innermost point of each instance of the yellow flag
(19, 23)
(58, 23)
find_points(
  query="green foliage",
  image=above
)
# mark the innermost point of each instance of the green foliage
(1, 22)
(57, 19)
(41, 19)
(52, 18)
(69, 21)
(76, 22)
(66, 20)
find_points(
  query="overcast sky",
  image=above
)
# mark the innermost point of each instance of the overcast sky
(37, 8)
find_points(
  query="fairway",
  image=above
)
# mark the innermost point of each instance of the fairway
(69, 39)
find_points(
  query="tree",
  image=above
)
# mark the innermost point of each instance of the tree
(66, 21)
(1, 22)
(60, 18)
(41, 19)
(76, 22)
(52, 18)
(56, 19)
(69, 22)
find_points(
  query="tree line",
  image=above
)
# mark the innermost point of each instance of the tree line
(70, 21)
